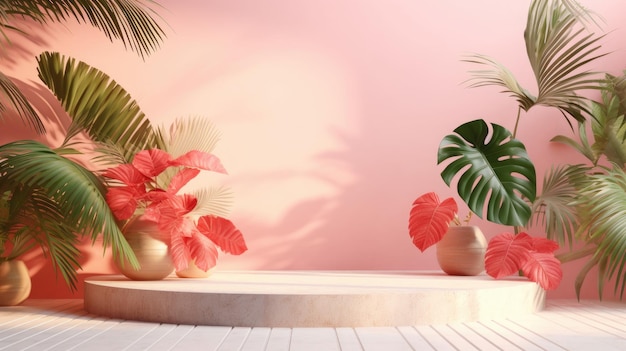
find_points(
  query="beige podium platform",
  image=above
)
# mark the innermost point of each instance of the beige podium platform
(313, 298)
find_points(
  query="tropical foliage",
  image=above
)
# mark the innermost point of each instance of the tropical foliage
(588, 201)
(559, 49)
(132, 22)
(506, 254)
(430, 218)
(142, 194)
(493, 172)
(52, 199)
(493, 169)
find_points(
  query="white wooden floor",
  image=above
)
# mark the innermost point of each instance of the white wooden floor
(563, 325)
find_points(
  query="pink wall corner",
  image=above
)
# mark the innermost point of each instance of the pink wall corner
(331, 114)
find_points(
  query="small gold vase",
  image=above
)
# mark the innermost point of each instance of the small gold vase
(153, 254)
(15, 282)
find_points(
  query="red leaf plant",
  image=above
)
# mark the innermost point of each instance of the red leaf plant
(506, 254)
(141, 193)
(429, 219)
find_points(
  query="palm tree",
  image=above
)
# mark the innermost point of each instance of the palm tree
(47, 198)
(589, 200)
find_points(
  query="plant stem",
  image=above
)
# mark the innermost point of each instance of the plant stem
(519, 113)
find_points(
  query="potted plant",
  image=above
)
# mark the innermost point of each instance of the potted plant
(50, 199)
(493, 173)
(463, 250)
(144, 194)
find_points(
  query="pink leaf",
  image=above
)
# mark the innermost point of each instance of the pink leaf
(201, 160)
(181, 178)
(429, 219)
(122, 201)
(203, 251)
(151, 162)
(545, 245)
(223, 233)
(543, 268)
(155, 196)
(506, 253)
(127, 174)
(180, 252)
(175, 223)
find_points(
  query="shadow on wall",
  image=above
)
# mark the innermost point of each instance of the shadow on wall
(339, 115)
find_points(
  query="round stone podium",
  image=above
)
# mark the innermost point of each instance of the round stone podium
(313, 298)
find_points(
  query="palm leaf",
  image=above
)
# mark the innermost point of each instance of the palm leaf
(498, 75)
(187, 134)
(495, 172)
(77, 192)
(553, 209)
(558, 51)
(603, 203)
(11, 96)
(130, 21)
(214, 200)
(97, 104)
(41, 220)
(583, 147)
(608, 127)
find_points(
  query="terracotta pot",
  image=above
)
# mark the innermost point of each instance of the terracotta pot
(153, 254)
(193, 271)
(14, 282)
(462, 251)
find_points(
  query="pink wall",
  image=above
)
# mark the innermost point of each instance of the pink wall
(331, 113)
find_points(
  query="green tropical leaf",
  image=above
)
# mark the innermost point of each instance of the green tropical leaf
(603, 204)
(132, 22)
(135, 23)
(76, 192)
(35, 219)
(583, 147)
(558, 49)
(553, 208)
(609, 129)
(493, 169)
(97, 104)
(10, 93)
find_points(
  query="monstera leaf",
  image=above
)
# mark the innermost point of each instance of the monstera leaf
(493, 169)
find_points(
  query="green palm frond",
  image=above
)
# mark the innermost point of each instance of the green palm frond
(603, 203)
(583, 146)
(76, 191)
(132, 22)
(609, 130)
(11, 96)
(559, 51)
(553, 208)
(494, 170)
(97, 104)
(36, 219)
(498, 75)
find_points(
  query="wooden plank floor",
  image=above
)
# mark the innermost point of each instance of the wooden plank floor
(563, 325)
